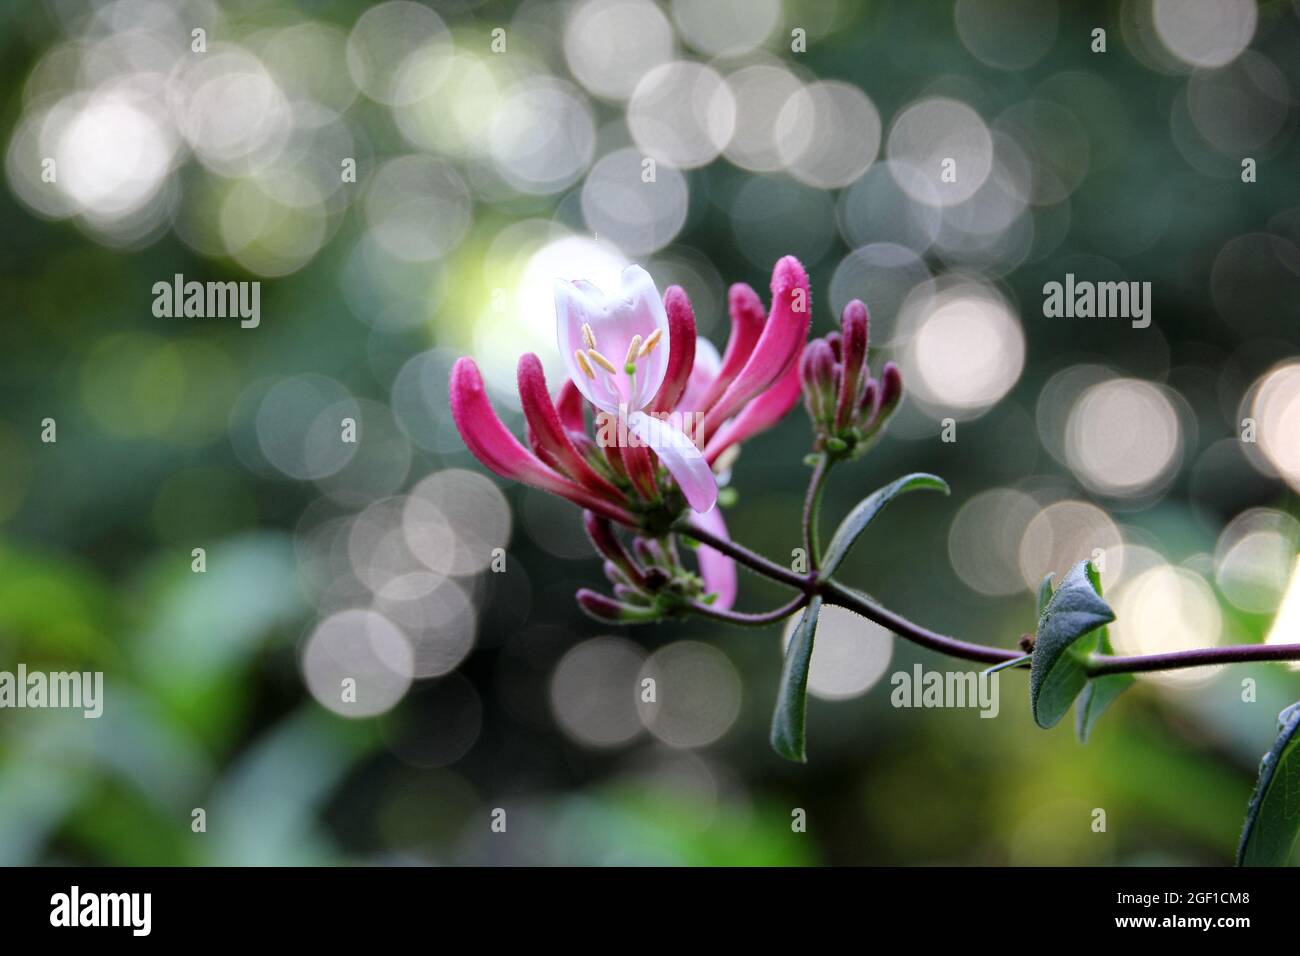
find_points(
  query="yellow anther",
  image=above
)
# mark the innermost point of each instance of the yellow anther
(651, 342)
(603, 362)
(633, 350)
(582, 364)
(588, 336)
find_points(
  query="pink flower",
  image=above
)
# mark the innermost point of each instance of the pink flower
(617, 351)
(666, 408)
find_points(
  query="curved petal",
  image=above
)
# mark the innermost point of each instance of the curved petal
(547, 430)
(718, 570)
(636, 311)
(681, 359)
(492, 444)
(747, 320)
(708, 363)
(782, 340)
(758, 416)
(684, 461)
(570, 404)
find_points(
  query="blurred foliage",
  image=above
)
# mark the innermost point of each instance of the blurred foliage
(207, 707)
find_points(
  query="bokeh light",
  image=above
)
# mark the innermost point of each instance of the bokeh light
(850, 654)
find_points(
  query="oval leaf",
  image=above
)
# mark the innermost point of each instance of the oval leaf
(788, 721)
(1101, 691)
(1099, 694)
(865, 512)
(1057, 674)
(1273, 816)
(1044, 593)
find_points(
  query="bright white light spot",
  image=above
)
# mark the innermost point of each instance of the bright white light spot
(529, 322)
(594, 691)
(1276, 410)
(542, 136)
(929, 134)
(1166, 609)
(1123, 438)
(964, 351)
(697, 694)
(455, 520)
(637, 216)
(850, 654)
(761, 90)
(682, 113)
(1065, 533)
(1253, 558)
(984, 540)
(610, 44)
(112, 157)
(828, 134)
(1286, 626)
(384, 37)
(1205, 33)
(726, 28)
(418, 208)
(357, 663)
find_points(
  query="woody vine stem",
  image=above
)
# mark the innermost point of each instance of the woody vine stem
(833, 592)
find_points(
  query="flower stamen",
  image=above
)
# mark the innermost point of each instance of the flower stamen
(651, 342)
(633, 350)
(588, 336)
(603, 362)
(582, 364)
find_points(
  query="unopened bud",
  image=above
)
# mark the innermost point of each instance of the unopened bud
(601, 532)
(605, 609)
(817, 372)
(891, 387)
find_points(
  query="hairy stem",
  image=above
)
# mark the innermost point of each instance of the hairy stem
(811, 507)
(750, 620)
(835, 593)
(755, 562)
(1099, 664)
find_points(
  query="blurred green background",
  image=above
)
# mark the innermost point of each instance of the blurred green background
(487, 163)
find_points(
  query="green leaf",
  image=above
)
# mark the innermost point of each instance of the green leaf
(1101, 691)
(1057, 673)
(789, 719)
(1044, 593)
(1273, 816)
(865, 512)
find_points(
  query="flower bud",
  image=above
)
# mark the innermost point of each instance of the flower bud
(854, 324)
(891, 388)
(817, 375)
(605, 609)
(601, 532)
(847, 406)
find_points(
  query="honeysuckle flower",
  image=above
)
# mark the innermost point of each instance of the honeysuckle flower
(668, 413)
(847, 406)
(632, 327)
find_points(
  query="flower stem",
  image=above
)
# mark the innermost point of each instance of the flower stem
(835, 593)
(1099, 664)
(811, 507)
(750, 620)
(755, 562)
